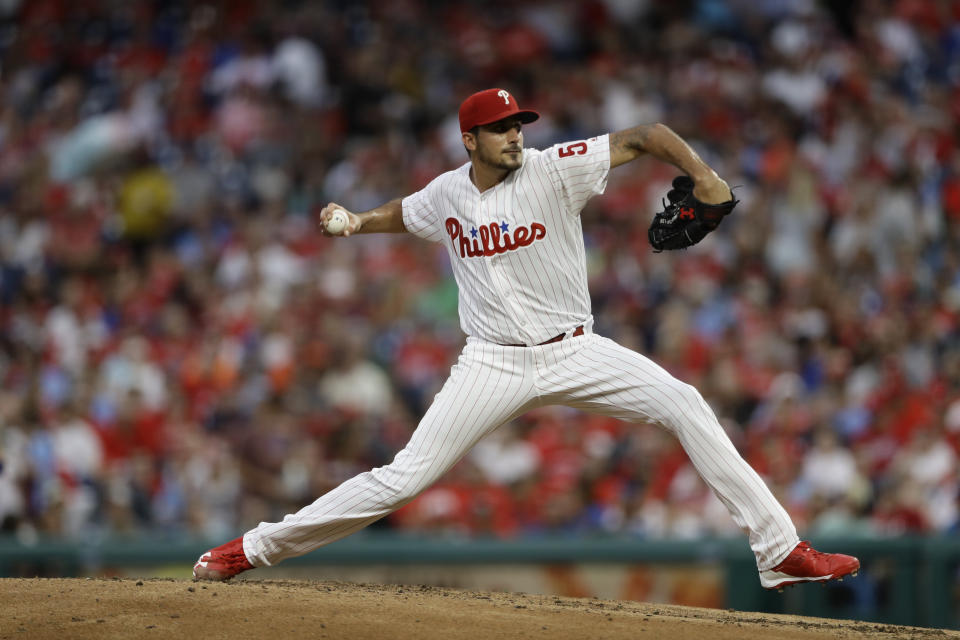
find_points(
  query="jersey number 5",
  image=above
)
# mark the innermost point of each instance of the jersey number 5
(577, 148)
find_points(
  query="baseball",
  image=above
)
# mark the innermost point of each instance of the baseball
(337, 222)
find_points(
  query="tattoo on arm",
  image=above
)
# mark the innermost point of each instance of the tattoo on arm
(634, 138)
(659, 141)
(628, 144)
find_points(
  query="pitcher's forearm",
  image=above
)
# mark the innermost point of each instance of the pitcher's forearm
(387, 218)
(662, 143)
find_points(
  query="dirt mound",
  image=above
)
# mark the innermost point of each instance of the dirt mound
(286, 610)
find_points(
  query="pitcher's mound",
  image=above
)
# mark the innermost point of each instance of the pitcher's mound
(285, 610)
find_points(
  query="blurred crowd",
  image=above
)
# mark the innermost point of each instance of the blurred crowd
(180, 350)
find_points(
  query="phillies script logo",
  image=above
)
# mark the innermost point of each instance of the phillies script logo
(493, 238)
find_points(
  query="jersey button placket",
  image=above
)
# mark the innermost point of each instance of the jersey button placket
(498, 264)
(507, 291)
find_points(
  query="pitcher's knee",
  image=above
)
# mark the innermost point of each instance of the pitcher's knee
(395, 485)
(688, 408)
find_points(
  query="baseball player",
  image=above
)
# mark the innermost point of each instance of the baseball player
(510, 221)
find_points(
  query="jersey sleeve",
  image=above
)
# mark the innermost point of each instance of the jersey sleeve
(581, 168)
(420, 215)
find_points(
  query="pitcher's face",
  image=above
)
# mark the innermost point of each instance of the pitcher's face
(498, 145)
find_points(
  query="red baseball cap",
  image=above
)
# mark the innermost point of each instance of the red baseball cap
(489, 106)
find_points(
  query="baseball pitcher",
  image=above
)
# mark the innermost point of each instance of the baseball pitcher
(510, 221)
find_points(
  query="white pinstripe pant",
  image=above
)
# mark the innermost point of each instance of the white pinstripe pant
(492, 384)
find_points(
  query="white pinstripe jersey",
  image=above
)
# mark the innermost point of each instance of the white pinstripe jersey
(517, 248)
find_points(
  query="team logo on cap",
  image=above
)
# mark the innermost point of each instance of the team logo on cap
(492, 239)
(506, 96)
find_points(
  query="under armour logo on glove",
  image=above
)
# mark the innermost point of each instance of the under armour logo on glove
(685, 221)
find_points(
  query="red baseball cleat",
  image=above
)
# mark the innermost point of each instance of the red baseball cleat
(806, 564)
(223, 562)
